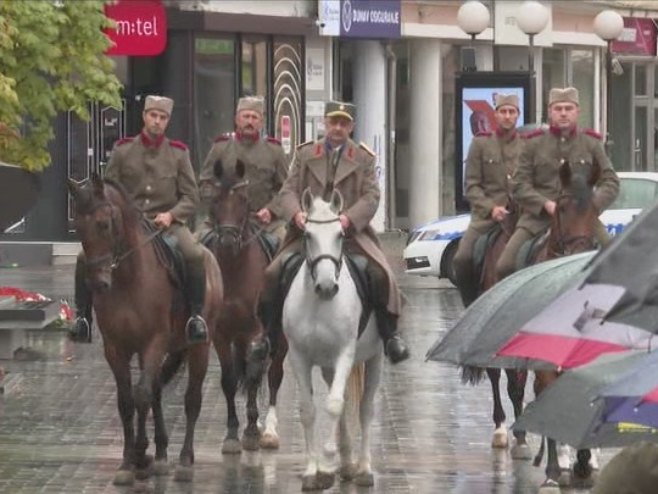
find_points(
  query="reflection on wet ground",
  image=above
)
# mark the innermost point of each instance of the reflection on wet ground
(60, 431)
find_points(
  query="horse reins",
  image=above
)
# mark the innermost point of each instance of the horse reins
(562, 240)
(314, 262)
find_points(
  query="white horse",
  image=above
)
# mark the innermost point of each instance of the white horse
(320, 320)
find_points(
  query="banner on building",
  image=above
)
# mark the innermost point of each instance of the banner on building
(374, 19)
(637, 38)
(475, 93)
(141, 27)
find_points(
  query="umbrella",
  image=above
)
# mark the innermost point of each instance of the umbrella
(503, 309)
(614, 308)
(578, 409)
(19, 191)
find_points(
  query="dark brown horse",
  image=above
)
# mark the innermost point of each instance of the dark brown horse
(572, 231)
(243, 261)
(516, 379)
(140, 311)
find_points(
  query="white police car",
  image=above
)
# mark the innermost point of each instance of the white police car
(431, 247)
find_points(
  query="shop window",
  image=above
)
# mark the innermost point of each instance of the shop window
(254, 67)
(582, 78)
(214, 90)
(640, 80)
(553, 74)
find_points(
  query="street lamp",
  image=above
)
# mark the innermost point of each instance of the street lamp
(532, 19)
(472, 18)
(608, 25)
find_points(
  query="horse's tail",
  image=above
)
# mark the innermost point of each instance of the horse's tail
(354, 391)
(472, 375)
(170, 366)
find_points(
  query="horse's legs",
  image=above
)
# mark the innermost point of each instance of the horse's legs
(197, 368)
(499, 439)
(373, 372)
(553, 469)
(330, 445)
(516, 381)
(231, 443)
(255, 367)
(582, 470)
(270, 437)
(120, 365)
(160, 435)
(302, 370)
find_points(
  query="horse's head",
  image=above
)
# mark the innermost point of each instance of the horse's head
(100, 228)
(575, 214)
(323, 241)
(230, 207)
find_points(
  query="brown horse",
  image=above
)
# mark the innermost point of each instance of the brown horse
(140, 311)
(516, 379)
(572, 231)
(243, 261)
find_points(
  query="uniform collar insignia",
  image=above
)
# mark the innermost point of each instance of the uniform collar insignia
(148, 142)
(246, 138)
(507, 135)
(557, 131)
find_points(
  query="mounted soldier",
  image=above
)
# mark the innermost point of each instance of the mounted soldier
(158, 175)
(338, 163)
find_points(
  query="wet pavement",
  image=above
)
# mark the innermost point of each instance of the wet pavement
(60, 431)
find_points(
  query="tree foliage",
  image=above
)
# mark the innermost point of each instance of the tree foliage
(51, 60)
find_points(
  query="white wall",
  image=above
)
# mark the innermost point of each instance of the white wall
(283, 8)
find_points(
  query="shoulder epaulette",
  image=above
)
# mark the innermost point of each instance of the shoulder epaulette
(178, 144)
(299, 146)
(484, 134)
(223, 137)
(124, 140)
(593, 133)
(534, 133)
(363, 146)
(273, 140)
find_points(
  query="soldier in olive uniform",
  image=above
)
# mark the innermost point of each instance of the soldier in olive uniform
(157, 173)
(491, 160)
(337, 162)
(266, 166)
(536, 183)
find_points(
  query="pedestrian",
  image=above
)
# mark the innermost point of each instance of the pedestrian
(536, 183)
(157, 173)
(634, 470)
(337, 162)
(266, 167)
(492, 158)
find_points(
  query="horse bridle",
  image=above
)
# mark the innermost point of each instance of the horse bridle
(236, 232)
(313, 262)
(564, 241)
(117, 255)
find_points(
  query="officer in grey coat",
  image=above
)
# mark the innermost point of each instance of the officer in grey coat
(157, 173)
(536, 183)
(492, 158)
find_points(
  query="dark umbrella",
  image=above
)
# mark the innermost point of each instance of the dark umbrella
(502, 310)
(19, 191)
(577, 409)
(613, 309)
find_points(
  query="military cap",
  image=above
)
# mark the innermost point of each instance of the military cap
(252, 103)
(339, 109)
(507, 99)
(161, 103)
(563, 95)
(634, 470)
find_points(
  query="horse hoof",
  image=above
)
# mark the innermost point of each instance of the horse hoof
(161, 467)
(348, 472)
(500, 439)
(231, 447)
(309, 483)
(521, 452)
(184, 474)
(269, 440)
(144, 468)
(364, 479)
(578, 482)
(250, 442)
(124, 477)
(325, 480)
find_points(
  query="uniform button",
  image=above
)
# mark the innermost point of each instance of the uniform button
(146, 201)
(148, 188)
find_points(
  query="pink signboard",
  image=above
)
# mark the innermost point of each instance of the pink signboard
(637, 38)
(141, 27)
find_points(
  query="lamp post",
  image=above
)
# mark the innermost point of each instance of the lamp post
(608, 25)
(532, 19)
(473, 18)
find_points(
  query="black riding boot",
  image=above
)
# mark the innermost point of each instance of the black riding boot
(394, 346)
(468, 289)
(81, 330)
(196, 328)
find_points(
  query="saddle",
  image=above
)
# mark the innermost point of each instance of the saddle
(268, 241)
(169, 255)
(356, 264)
(530, 249)
(481, 247)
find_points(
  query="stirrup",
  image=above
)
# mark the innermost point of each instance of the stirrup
(196, 329)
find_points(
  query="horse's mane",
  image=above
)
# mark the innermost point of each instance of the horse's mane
(321, 210)
(581, 191)
(88, 199)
